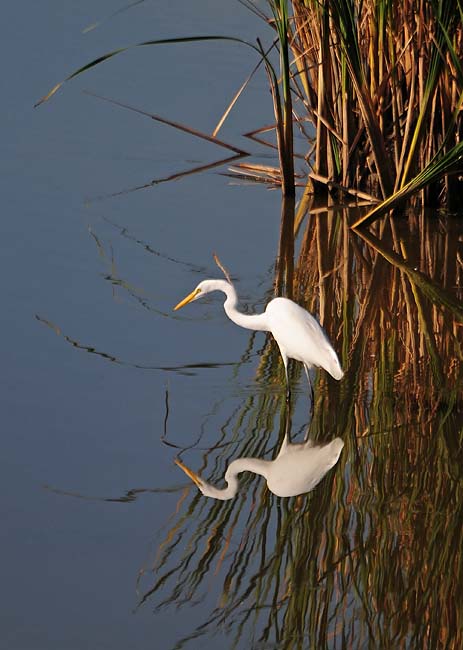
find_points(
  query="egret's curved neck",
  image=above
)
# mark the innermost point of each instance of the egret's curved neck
(249, 321)
(239, 465)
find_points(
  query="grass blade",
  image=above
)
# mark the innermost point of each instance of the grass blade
(451, 162)
(162, 41)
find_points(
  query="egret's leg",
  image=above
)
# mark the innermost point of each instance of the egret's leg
(288, 389)
(310, 389)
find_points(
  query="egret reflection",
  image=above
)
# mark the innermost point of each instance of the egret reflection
(297, 469)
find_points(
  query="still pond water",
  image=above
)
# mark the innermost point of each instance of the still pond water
(106, 544)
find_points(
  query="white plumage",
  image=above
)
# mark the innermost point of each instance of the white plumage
(298, 334)
(297, 469)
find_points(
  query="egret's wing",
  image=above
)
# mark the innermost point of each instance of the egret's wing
(290, 319)
(301, 468)
(301, 337)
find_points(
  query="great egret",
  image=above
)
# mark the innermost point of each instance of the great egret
(298, 333)
(297, 469)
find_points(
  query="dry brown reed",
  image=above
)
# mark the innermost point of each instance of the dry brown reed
(382, 84)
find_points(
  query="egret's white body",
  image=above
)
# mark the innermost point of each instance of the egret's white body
(298, 334)
(297, 469)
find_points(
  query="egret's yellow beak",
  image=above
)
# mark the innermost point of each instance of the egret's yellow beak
(194, 477)
(191, 296)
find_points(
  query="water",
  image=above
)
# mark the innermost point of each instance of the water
(105, 543)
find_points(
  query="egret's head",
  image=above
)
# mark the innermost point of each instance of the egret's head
(206, 286)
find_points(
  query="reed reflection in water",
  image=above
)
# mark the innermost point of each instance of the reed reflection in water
(371, 558)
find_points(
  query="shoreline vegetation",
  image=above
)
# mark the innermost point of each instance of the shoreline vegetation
(375, 86)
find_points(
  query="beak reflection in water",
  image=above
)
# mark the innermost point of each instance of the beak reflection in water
(194, 477)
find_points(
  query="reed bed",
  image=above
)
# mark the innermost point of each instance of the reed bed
(382, 84)
(380, 81)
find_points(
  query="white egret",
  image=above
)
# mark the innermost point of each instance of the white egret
(297, 469)
(298, 333)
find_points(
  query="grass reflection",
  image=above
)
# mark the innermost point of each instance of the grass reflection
(372, 557)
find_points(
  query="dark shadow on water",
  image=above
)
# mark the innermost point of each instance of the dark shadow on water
(146, 246)
(197, 169)
(128, 497)
(186, 369)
